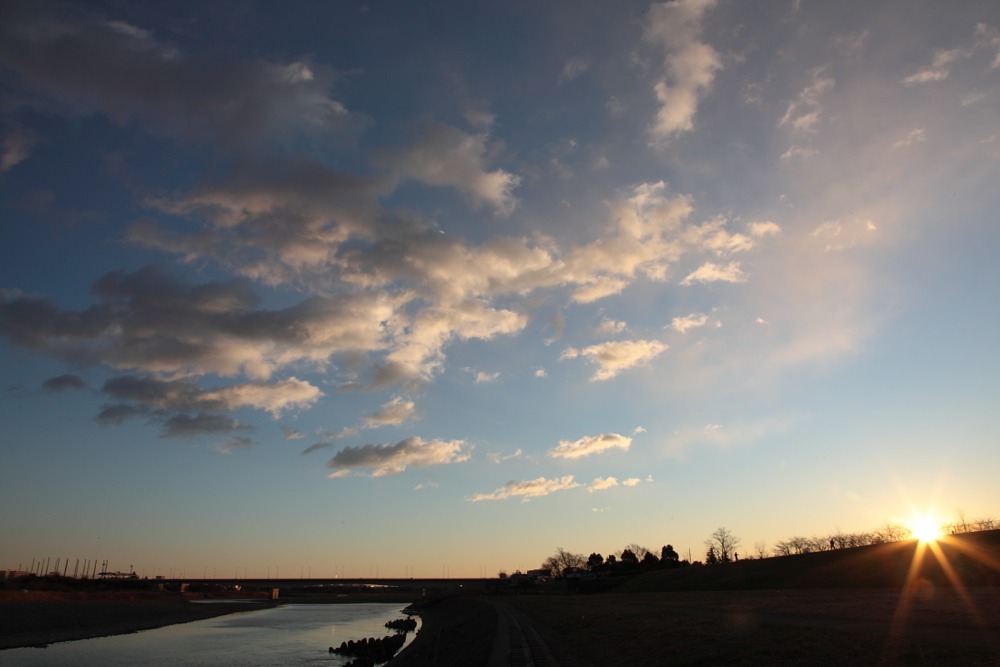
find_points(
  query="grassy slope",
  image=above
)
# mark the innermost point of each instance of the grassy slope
(973, 557)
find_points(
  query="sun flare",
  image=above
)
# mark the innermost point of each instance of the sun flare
(925, 527)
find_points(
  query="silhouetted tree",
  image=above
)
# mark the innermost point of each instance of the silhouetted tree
(723, 543)
(649, 561)
(710, 557)
(595, 562)
(629, 559)
(562, 560)
(611, 562)
(669, 557)
(760, 549)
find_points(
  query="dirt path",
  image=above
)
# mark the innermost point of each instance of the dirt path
(519, 644)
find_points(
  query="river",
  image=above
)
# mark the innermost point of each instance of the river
(294, 634)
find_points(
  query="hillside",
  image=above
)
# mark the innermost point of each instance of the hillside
(974, 558)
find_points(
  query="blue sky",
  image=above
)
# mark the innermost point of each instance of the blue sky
(347, 288)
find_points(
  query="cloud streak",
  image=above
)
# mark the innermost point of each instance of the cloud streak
(392, 459)
(589, 445)
(527, 490)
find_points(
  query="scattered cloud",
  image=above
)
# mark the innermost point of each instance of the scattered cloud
(638, 429)
(192, 426)
(125, 72)
(483, 377)
(988, 37)
(710, 272)
(64, 383)
(15, 148)
(496, 458)
(573, 69)
(938, 70)
(392, 413)
(633, 481)
(535, 488)
(688, 322)
(426, 485)
(602, 483)
(391, 459)
(447, 156)
(316, 447)
(541, 373)
(234, 444)
(762, 229)
(851, 44)
(614, 357)
(803, 113)
(609, 327)
(588, 445)
(690, 65)
(291, 433)
(915, 136)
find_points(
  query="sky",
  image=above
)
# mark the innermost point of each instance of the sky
(433, 289)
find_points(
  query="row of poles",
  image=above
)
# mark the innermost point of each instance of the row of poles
(89, 571)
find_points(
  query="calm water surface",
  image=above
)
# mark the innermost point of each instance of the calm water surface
(295, 634)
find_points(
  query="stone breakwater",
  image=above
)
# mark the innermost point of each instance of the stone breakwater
(371, 651)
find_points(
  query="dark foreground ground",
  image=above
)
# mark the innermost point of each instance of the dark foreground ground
(803, 627)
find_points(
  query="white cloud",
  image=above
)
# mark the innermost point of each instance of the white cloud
(602, 483)
(541, 373)
(638, 429)
(688, 322)
(447, 156)
(274, 397)
(390, 459)
(615, 356)
(710, 272)
(763, 228)
(535, 488)
(482, 377)
(689, 63)
(632, 481)
(588, 445)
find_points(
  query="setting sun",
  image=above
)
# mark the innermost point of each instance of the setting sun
(926, 528)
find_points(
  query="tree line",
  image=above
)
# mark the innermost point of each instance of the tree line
(722, 546)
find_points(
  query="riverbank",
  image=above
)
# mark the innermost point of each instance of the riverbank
(40, 619)
(454, 632)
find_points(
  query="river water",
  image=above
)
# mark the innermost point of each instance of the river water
(294, 634)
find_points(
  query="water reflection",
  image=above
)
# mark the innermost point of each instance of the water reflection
(295, 634)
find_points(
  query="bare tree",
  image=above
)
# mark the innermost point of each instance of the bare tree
(760, 549)
(723, 543)
(563, 560)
